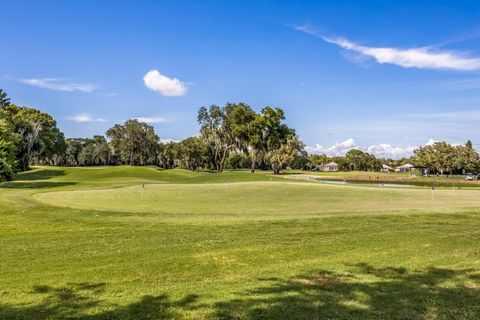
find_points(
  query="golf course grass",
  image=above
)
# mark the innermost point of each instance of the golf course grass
(91, 243)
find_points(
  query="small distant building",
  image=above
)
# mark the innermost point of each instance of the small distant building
(332, 166)
(386, 168)
(405, 168)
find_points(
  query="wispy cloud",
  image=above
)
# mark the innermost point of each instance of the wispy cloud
(86, 118)
(465, 115)
(469, 35)
(170, 87)
(59, 85)
(423, 57)
(151, 119)
(463, 84)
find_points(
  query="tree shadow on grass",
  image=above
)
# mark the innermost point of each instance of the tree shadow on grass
(365, 292)
(34, 184)
(36, 179)
(39, 174)
(81, 301)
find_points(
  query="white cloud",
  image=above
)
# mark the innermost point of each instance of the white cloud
(338, 149)
(341, 148)
(430, 142)
(59, 85)
(170, 87)
(86, 118)
(151, 119)
(389, 151)
(422, 57)
(379, 150)
(316, 149)
(165, 141)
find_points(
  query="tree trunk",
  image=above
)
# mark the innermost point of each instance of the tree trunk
(252, 168)
(276, 169)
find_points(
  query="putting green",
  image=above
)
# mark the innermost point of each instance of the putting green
(260, 200)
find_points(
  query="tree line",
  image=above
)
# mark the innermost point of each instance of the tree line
(231, 137)
(444, 158)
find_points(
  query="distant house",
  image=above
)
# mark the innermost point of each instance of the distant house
(332, 166)
(386, 168)
(405, 168)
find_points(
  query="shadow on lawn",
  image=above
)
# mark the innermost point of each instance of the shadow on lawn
(382, 293)
(78, 301)
(39, 174)
(35, 179)
(365, 292)
(34, 184)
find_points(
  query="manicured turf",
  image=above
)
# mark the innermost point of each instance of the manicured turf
(414, 178)
(81, 243)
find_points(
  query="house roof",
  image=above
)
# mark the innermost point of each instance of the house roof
(331, 164)
(384, 166)
(407, 165)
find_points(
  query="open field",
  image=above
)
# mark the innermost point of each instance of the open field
(82, 243)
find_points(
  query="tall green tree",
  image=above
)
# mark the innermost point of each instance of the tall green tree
(247, 129)
(8, 161)
(35, 132)
(73, 150)
(191, 153)
(466, 158)
(275, 137)
(357, 160)
(216, 132)
(437, 157)
(168, 155)
(134, 142)
(286, 153)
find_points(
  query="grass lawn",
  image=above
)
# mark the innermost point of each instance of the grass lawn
(415, 178)
(84, 243)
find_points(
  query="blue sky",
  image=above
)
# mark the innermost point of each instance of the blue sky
(384, 76)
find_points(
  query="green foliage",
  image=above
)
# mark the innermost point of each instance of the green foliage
(134, 142)
(169, 155)
(36, 134)
(285, 154)
(216, 132)
(247, 130)
(442, 157)
(4, 100)
(238, 160)
(315, 160)
(357, 160)
(8, 161)
(191, 153)
(236, 127)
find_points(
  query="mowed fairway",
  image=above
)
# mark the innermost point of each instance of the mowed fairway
(84, 243)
